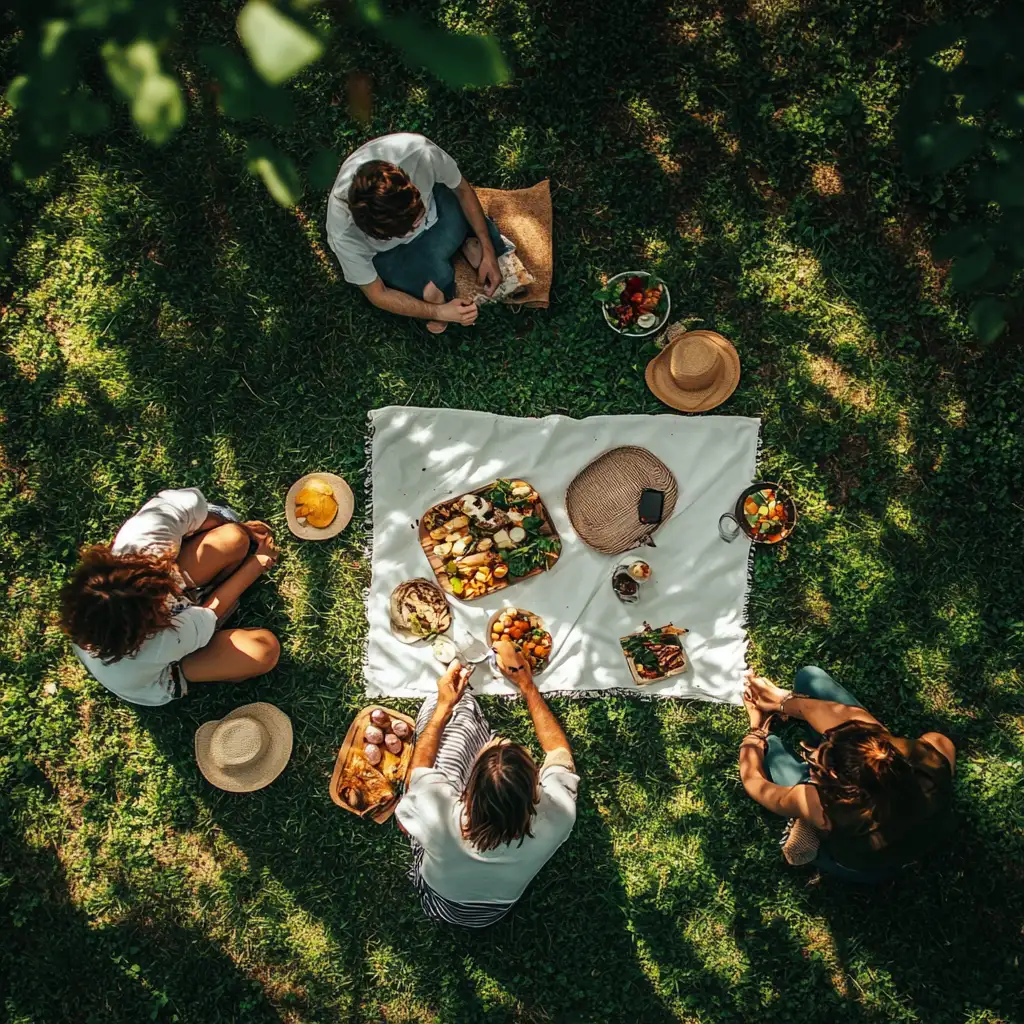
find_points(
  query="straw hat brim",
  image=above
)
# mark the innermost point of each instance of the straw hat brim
(250, 777)
(342, 495)
(660, 380)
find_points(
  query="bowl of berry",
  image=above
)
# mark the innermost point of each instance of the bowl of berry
(635, 302)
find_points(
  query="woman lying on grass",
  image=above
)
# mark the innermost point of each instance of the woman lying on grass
(865, 802)
(144, 612)
(483, 818)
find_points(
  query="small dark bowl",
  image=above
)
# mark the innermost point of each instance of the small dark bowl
(738, 516)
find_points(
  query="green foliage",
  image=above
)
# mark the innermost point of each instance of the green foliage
(162, 321)
(278, 46)
(460, 60)
(964, 117)
(54, 90)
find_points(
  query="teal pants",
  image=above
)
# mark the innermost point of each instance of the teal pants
(428, 257)
(786, 769)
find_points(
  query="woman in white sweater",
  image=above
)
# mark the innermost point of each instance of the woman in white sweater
(144, 613)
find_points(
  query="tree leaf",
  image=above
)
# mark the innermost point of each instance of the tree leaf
(461, 61)
(87, 115)
(957, 241)
(942, 147)
(935, 38)
(278, 46)
(235, 79)
(970, 268)
(1012, 108)
(988, 319)
(277, 170)
(157, 104)
(323, 169)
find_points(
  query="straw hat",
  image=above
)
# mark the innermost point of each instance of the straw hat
(695, 371)
(342, 495)
(603, 500)
(247, 749)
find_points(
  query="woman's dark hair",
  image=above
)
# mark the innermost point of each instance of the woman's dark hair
(384, 202)
(857, 763)
(500, 797)
(114, 603)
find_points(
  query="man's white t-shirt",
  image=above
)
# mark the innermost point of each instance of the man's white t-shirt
(426, 165)
(145, 677)
(431, 812)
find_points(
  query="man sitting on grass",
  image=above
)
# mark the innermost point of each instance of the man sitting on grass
(399, 210)
(482, 816)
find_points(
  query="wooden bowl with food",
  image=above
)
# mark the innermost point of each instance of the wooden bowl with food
(526, 632)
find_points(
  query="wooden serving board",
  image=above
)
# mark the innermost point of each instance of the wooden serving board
(438, 564)
(639, 679)
(394, 767)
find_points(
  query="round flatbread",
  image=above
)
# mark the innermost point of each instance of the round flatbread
(419, 610)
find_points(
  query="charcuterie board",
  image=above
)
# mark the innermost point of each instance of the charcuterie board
(485, 540)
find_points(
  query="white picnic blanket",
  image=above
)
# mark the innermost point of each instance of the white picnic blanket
(423, 456)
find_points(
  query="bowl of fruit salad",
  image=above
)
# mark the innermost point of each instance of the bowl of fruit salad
(635, 303)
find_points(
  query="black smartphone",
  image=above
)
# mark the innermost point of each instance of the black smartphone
(651, 503)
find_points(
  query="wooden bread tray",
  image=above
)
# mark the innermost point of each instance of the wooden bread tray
(394, 767)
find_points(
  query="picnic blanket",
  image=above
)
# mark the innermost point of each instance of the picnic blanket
(422, 456)
(524, 216)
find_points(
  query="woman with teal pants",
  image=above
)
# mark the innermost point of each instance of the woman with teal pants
(872, 801)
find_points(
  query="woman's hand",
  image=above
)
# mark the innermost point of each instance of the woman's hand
(258, 529)
(763, 693)
(514, 667)
(266, 552)
(451, 686)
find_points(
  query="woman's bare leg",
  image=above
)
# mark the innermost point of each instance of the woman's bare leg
(215, 553)
(434, 294)
(233, 655)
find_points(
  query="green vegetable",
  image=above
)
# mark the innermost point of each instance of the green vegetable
(534, 555)
(457, 586)
(531, 524)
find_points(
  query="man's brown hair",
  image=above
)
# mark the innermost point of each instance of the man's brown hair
(384, 202)
(114, 603)
(500, 797)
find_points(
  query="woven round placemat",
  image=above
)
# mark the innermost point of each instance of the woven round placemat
(602, 501)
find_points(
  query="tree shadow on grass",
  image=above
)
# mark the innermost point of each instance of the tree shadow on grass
(59, 965)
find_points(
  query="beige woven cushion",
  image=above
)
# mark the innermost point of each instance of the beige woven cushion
(602, 501)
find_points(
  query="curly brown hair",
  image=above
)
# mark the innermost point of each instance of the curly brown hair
(114, 603)
(858, 764)
(500, 796)
(384, 202)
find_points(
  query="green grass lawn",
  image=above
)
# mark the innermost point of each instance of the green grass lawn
(164, 323)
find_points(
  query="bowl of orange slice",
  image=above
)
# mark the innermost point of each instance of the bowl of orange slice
(526, 632)
(319, 506)
(764, 512)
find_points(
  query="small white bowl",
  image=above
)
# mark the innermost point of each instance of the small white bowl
(662, 320)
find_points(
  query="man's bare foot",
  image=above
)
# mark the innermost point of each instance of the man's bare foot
(434, 294)
(473, 251)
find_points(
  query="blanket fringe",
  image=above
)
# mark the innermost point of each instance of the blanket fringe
(367, 535)
(750, 556)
